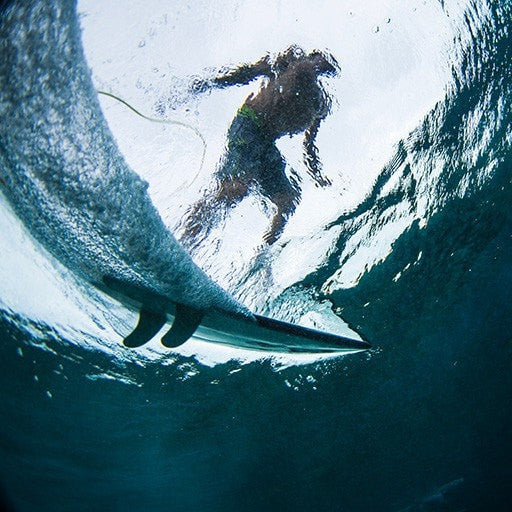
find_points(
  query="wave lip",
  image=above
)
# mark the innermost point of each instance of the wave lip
(62, 171)
(66, 180)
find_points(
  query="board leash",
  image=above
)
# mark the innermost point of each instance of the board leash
(163, 121)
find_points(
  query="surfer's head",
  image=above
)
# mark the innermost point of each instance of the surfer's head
(324, 63)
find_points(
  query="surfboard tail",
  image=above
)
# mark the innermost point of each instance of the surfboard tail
(147, 327)
(185, 323)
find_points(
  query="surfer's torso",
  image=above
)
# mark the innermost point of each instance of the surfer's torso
(290, 101)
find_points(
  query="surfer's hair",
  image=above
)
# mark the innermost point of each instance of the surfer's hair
(323, 61)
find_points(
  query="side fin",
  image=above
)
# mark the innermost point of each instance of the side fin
(185, 323)
(149, 324)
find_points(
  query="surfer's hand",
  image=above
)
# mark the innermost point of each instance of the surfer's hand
(322, 181)
(200, 85)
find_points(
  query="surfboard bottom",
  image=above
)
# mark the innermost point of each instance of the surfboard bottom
(217, 326)
(268, 334)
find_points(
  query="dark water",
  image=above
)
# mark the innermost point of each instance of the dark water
(422, 424)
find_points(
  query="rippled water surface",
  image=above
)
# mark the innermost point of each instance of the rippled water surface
(410, 248)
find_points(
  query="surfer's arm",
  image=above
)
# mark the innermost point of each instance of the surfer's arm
(241, 75)
(313, 164)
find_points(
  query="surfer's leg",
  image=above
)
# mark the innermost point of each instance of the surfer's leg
(203, 217)
(232, 191)
(285, 204)
(211, 210)
(275, 185)
(232, 180)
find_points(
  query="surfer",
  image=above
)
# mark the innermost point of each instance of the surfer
(290, 101)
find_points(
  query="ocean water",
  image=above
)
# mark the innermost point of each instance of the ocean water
(410, 249)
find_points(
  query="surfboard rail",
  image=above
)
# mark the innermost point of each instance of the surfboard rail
(268, 334)
(254, 332)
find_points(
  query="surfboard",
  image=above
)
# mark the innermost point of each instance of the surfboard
(268, 334)
(253, 332)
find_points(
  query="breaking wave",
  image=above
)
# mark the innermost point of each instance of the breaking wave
(410, 247)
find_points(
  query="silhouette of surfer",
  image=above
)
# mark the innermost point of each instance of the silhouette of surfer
(290, 101)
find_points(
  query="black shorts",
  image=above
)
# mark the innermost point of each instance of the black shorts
(252, 156)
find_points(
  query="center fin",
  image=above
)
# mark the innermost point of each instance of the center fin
(149, 324)
(185, 323)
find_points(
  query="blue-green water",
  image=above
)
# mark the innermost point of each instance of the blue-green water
(422, 423)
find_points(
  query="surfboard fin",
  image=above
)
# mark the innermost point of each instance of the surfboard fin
(149, 324)
(185, 323)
